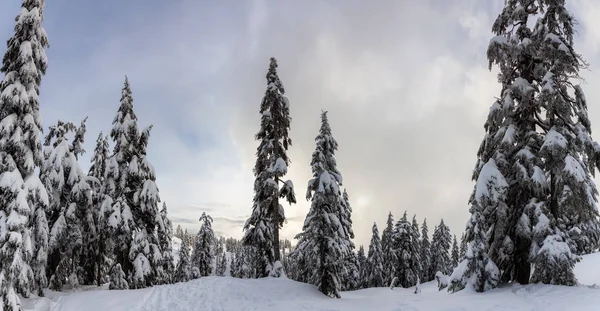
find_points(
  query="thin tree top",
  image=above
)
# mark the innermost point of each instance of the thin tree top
(124, 131)
(323, 158)
(273, 78)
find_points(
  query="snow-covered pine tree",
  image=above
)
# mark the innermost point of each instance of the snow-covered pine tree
(323, 239)
(221, 264)
(165, 237)
(351, 274)
(478, 267)
(405, 251)
(118, 279)
(145, 253)
(179, 232)
(425, 252)
(417, 261)
(23, 199)
(375, 261)
(125, 135)
(97, 174)
(262, 228)
(440, 250)
(454, 256)
(389, 258)
(70, 215)
(463, 248)
(569, 153)
(203, 255)
(533, 133)
(363, 268)
(183, 272)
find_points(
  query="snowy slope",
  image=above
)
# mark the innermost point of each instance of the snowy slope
(224, 293)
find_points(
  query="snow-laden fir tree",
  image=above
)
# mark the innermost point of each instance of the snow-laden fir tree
(23, 199)
(262, 228)
(183, 272)
(375, 274)
(425, 252)
(221, 264)
(244, 264)
(86, 267)
(454, 255)
(125, 135)
(134, 215)
(415, 237)
(407, 253)
(463, 248)
(203, 254)
(165, 238)
(179, 232)
(145, 252)
(351, 280)
(477, 267)
(323, 241)
(97, 175)
(118, 280)
(363, 267)
(440, 250)
(538, 137)
(70, 215)
(389, 258)
(569, 153)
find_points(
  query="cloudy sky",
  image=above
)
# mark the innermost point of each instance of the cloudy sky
(406, 84)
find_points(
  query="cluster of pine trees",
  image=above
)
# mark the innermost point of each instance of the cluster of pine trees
(58, 224)
(534, 206)
(325, 254)
(403, 255)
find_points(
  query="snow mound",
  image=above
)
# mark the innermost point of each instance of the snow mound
(226, 293)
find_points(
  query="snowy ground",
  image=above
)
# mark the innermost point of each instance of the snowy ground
(225, 293)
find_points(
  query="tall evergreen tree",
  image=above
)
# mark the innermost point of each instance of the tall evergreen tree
(407, 253)
(440, 250)
(262, 228)
(375, 273)
(203, 255)
(363, 268)
(165, 237)
(183, 272)
(454, 256)
(387, 247)
(131, 183)
(323, 242)
(221, 265)
(417, 261)
(70, 216)
(538, 143)
(23, 199)
(569, 153)
(97, 174)
(125, 135)
(425, 275)
(145, 253)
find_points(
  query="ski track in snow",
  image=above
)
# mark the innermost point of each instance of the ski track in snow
(226, 293)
